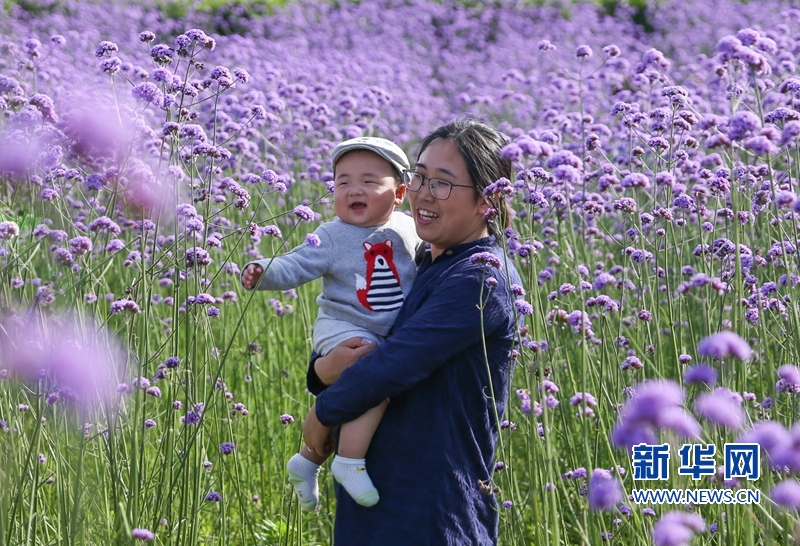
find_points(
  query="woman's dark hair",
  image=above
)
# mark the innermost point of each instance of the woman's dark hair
(480, 147)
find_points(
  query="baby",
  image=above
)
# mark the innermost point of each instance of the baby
(365, 257)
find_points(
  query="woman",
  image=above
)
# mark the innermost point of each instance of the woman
(436, 442)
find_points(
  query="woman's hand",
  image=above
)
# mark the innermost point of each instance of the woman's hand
(331, 366)
(316, 435)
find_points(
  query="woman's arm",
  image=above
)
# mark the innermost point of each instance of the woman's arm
(328, 368)
(315, 435)
(446, 324)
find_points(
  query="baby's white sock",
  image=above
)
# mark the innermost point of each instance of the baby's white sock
(352, 474)
(303, 476)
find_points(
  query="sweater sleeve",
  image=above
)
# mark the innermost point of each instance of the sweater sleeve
(302, 264)
(447, 323)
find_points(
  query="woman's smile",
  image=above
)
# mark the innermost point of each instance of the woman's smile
(425, 215)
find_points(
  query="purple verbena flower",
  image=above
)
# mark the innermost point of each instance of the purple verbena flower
(720, 408)
(115, 245)
(197, 256)
(148, 92)
(677, 528)
(162, 54)
(105, 47)
(8, 230)
(304, 213)
(786, 494)
(631, 362)
(155, 392)
(790, 374)
(172, 362)
(724, 345)
(605, 490)
(312, 239)
(119, 306)
(700, 373)
(743, 124)
(773, 438)
(486, 258)
(143, 534)
(583, 397)
(80, 245)
(104, 224)
(523, 307)
(654, 404)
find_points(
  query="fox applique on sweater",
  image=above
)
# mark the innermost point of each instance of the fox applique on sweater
(380, 291)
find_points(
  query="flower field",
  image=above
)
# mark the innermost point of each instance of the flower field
(147, 154)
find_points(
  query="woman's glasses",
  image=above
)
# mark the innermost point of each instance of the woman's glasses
(440, 189)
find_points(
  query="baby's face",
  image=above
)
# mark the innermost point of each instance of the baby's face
(365, 191)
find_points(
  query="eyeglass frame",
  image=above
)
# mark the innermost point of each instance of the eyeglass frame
(410, 172)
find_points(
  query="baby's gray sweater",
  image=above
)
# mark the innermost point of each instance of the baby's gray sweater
(366, 271)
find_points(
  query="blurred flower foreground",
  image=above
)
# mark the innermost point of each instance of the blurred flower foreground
(147, 153)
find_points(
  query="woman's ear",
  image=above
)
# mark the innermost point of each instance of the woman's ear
(483, 205)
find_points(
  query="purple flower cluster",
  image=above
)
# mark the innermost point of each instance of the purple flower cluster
(786, 494)
(487, 259)
(656, 404)
(724, 345)
(782, 446)
(143, 534)
(76, 361)
(721, 407)
(677, 528)
(8, 230)
(605, 491)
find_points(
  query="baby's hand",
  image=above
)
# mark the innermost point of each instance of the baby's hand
(250, 276)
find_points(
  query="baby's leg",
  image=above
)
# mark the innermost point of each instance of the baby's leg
(349, 467)
(303, 470)
(355, 436)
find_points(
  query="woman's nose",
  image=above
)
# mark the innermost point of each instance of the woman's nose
(425, 191)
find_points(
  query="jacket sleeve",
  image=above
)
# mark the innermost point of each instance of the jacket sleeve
(302, 264)
(447, 323)
(313, 383)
